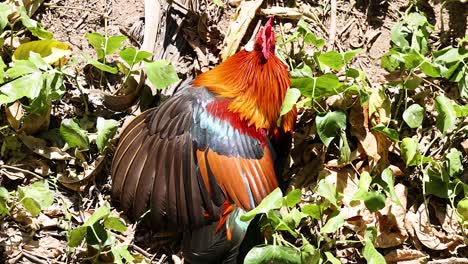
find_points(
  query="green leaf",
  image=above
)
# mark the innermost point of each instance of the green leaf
(311, 38)
(462, 111)
(335, 221)
(273, 201)
(414, 115)
(161, 73)
(332, 59)
(293, 198)
(463, 83)
(114, 223)
(21, 68)
(332, 259)
(35, 197)
(349, 55)
(323, 86)
(15, 90)
(98, 42)
(462, 208)
(443, 188)
(73, 134)
(114, 43)
(50, 50)
(389, 179)
(5, 10)
(373, 201)
(409, 151)
(133, 56)
(102, 66)
(219, 3)
(327, 191)
(412, 60)
(33, 26)
(391, 60)
(398, 36)
(75, 236)
(121, 253)
(101, 213)
(345, 151)
(369, 252)
(313, 210)
(294, 218)
(106, 129)
(4, 196)
(365, 181)
(430, 70)
(454, 162)
(389, 132)
(267, 254)
(330, 125)
(290, 99)
(447, 117)
(279, 224)
(449, 55)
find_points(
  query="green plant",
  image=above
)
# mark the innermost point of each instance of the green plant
(160, 73)
(96, 231)
(31, 198)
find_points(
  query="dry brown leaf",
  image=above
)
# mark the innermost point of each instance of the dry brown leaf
(391, 230)
(47, 247)
(429, 235)
(78, 182)
(246, 12)
(358, 118)
(447, 218)
(28, 123)
(13, 244)
(399, 255)
(39, 146)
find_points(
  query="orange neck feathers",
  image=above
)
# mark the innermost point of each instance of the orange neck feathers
(256, 85)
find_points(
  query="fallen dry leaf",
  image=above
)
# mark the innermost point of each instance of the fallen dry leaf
(78, 182)
(427, 234)
(399, 255)
(391, 231)
(47, 247)
(39, 146)
(374, 144)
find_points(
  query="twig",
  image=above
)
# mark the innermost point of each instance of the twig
(332, 31)
(33, 258)
(79, 8)
(22, 170)
(281, 12)
(135, 247)
(345, 28)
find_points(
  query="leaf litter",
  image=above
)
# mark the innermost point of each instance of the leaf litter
(403, 230)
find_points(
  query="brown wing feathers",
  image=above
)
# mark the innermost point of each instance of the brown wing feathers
(159, 165)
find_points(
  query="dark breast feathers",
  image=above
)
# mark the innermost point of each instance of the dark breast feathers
(183, 159)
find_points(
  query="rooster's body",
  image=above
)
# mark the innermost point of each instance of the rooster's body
(204, 156)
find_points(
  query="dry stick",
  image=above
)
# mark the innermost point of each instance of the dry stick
(332, 31)
(22, 170)
(137, 248)
(33, 258)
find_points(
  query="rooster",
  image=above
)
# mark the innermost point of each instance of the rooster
(206, 155)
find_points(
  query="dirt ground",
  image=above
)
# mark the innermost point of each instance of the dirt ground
(70, 20)
(362, 24)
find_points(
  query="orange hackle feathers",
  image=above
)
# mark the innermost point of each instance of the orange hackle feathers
(256, 81)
